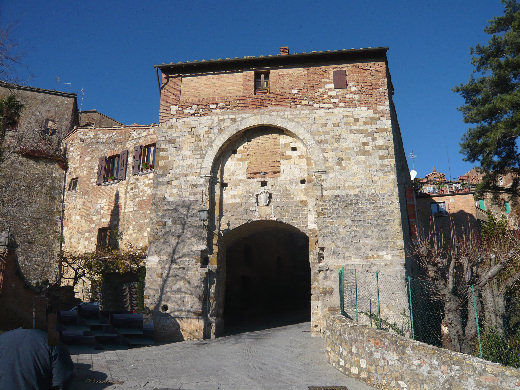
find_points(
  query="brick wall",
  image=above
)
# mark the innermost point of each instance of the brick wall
(200, 95)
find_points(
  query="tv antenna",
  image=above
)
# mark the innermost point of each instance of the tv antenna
(82, 93)
(412, 156)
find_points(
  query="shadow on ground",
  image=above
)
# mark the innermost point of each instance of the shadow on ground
(87, 379)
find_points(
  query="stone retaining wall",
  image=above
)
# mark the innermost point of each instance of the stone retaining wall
(389, 361)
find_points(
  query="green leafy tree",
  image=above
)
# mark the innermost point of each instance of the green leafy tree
(492, 97)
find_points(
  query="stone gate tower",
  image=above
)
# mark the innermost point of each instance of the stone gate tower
(271, 174)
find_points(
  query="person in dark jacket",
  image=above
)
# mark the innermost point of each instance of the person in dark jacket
(28, 362)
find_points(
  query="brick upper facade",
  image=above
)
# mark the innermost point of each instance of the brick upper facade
(297, 80)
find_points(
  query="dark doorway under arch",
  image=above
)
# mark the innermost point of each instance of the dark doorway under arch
(268, 278)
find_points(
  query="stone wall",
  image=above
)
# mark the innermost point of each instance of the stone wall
(122, 204)
(350, 204)
(386, 360)
(30, 206)
(32, 172)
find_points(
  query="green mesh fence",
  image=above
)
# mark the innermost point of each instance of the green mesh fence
(373, 299)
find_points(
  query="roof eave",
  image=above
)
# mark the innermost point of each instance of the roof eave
(276, 60)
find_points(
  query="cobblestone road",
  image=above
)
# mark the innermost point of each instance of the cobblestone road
(279, 358)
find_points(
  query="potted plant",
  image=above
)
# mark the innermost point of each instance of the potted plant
(147, 166)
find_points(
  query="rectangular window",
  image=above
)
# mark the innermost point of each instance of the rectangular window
(508, 207)
(107, 239)
(112, 168)
(73, 184)
(103, 238)
(262, 83)
(481, 204)
(148, 158)
(438, 208)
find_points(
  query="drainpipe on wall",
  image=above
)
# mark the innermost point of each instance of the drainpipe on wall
(62, 217)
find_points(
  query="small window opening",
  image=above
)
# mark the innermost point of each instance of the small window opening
(262, 86)
(164, 308)
(50, 127)
(224, 185)
(438, 208)
(73, 184)
(263, 183)
(302, 181)
(103, 238)
(294, 148)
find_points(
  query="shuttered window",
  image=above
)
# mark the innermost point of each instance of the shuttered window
(136, 159)
(112, 168)
(339, 78)
(123, 162)
(481, 204)
(144, 159)
(508, 207)
(101, 171)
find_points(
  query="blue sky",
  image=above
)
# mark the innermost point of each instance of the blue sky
(108, 49)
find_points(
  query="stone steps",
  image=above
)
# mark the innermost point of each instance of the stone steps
(87, 326)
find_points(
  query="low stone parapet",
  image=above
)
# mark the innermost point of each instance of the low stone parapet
(390, 361)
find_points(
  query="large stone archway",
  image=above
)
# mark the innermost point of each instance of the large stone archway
(262, 178)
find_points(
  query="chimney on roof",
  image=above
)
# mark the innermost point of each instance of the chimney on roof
(284, 50)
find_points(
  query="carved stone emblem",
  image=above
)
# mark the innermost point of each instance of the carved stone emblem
(263, 198)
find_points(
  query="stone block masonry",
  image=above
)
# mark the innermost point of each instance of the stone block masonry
(386, 360)
(348, 203)
(305, 143)
(122, 205)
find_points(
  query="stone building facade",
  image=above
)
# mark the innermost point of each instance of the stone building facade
(271, 174)
(108, 193)
(32, 174)
(268, 175)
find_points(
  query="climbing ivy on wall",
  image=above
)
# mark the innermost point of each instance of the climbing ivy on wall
(10, 110)
(93, 266)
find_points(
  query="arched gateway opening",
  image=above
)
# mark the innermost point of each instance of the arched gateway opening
(267, 276)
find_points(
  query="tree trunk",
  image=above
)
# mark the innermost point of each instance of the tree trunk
(494, 307)
(470, 331)
(452, 320)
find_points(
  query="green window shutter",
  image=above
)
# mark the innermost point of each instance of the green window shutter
(508, 207)
(481, 204)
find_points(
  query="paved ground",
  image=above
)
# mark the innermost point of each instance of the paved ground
(279, 358)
